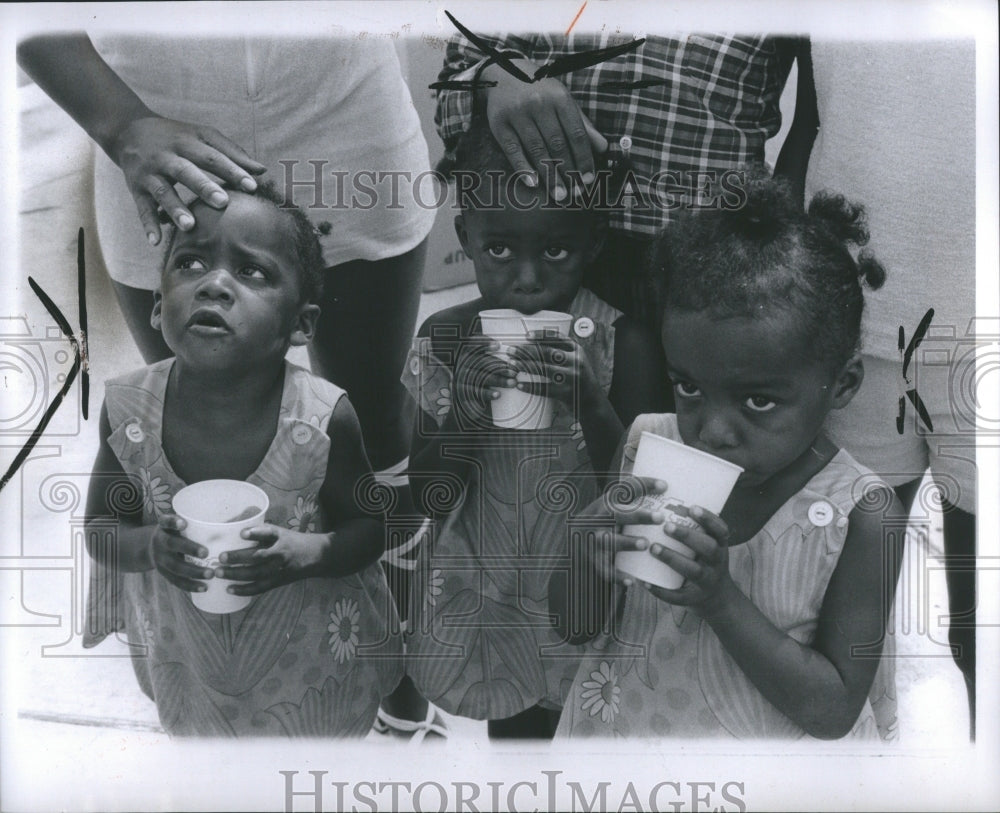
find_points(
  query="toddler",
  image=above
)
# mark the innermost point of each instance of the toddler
(481, 644)
(318, 647)
(778, 628)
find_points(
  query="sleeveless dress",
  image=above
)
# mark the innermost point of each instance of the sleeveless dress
(667, 675)
(312, 658)
(481, 643)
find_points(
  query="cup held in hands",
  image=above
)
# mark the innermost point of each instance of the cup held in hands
(693, 478)
(216, 512)
(515, 409)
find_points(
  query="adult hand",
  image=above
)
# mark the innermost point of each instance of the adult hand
(154, 153)
(281, 556)
(707, 583)
(540, 123)
(169, 548)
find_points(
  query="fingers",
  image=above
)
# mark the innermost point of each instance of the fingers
(713, 525)
(229, 161)
(598, 143)
(161, 190)
(579, 132)
(510, 142)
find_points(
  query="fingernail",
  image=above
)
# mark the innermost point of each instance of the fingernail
(201, 588)
(655, 550)
(521, 387)
(494, 395)
(658, 517)
(248, 185)
(696, 511)
(218, 199)
(153, 239)
(628, 582)
(661, 485)
(642, 544)
(185, 222)
(588, 177)
(530, 180)
(559, 194)
(669, 527)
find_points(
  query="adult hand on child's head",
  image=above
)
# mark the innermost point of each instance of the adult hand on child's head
(707, 583)
(559, 360)
(480, 375)
(621, 504)
(169, 547)
(281, 556)
(154, 153)
(539, 123)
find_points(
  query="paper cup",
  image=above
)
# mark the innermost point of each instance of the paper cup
(216, 511)
(515, 409)
(692, 478)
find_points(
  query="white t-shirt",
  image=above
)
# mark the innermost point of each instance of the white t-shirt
(338, 101)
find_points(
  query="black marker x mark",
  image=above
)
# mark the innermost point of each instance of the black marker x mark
(907, 354)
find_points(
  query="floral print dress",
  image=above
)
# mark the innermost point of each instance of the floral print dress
(481, 642)
(312, 658)
(664, 673)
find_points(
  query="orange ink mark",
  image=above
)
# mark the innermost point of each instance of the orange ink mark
(577, 17)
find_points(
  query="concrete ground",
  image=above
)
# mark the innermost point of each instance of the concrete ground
(57, 695)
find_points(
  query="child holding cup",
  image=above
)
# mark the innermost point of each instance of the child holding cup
(775, 625)
(310, 643)
(501, 478)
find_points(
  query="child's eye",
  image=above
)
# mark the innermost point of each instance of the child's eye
(760, 403)
(685, 389)
(253, 272)
(190, 264)
(556, 253)
(499, 251)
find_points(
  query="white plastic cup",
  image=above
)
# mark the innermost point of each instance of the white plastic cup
(216, 511)
(693, 478)
(515, 409)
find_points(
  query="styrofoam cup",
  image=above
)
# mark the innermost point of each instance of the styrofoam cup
(693, 478)
(515, 409)
(216, 511)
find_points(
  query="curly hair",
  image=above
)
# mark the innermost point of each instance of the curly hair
(307, 245)
(770, 253)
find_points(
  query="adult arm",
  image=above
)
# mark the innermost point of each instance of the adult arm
(793, 160)
(153, 152)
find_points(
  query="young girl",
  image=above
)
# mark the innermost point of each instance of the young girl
(318, 647)
(481, 644)
(777, 630)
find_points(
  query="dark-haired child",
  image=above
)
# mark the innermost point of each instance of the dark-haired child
(481, 645)
(318, 647)
(778, 629)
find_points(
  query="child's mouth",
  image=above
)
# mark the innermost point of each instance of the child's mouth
(208, 322)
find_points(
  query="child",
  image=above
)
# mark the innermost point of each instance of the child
(315, 651)
(481, 645)
(777, 630)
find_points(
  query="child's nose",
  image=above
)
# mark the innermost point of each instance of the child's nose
(717, 431)
(216, 284)
(528, 280)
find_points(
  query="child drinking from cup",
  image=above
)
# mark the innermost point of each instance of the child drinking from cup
(778, 626)
(318, 646)
(480, 643)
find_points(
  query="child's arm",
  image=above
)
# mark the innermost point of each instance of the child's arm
(136, 547)
(821, 687)
(357, 540)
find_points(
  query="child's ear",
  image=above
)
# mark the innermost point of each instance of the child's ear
(305, 325)
(156, 317)
(848, 382)
(463, 235)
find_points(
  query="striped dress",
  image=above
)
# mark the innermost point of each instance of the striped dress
(668, 675)
(481, 642)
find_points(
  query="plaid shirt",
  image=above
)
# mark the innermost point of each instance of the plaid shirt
(714, 106)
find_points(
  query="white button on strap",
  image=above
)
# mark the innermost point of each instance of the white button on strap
(301, 434)
(842, 522)
(820, 513)
(584, 327)
(134, 433)
(415, 365)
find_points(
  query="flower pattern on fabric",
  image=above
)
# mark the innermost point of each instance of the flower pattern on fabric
(304, 515)
(343, 628)
(435, 586)
(601, 693)
(155, 493)
(443, 401)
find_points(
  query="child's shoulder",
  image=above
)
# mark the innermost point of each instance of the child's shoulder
(137, 377)
(459, 316)
(307, 394)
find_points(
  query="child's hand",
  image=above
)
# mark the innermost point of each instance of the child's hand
(169, 547)
(282, 556)
(707, 583)
(617, 507)
(479, 377)
(561, 361)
